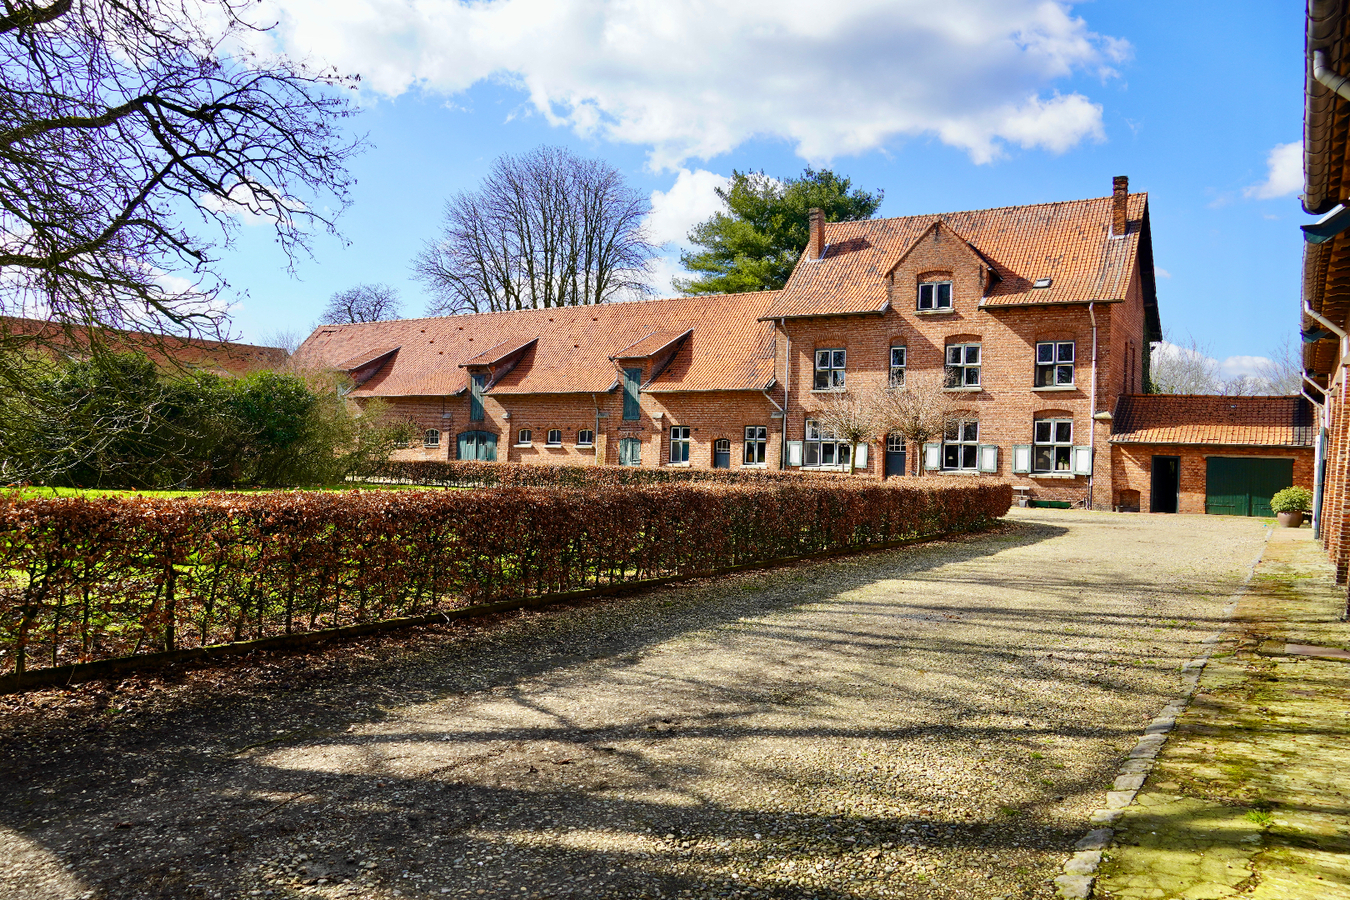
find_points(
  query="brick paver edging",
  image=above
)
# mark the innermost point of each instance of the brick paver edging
(1080, 870)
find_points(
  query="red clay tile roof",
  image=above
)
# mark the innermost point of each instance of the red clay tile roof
(493, 355)
(363, 359)
(167, 351)
(1196, 419)
(729, 348)
(1069, 242)
(651, 345)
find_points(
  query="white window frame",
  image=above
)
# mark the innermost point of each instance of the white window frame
(525, 437)
(1053, 364)
(585, 438)
(931, 297)
(899, 358)
(1050, 434)
(963, 369)
(553, 438)
(756, 446)
(965, 448)
(823, 449)
(830, 365)
(679, 444)
(431, 438)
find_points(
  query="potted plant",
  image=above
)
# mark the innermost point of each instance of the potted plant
(1290, 504)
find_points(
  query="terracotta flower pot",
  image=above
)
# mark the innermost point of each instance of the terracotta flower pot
(1290, 519)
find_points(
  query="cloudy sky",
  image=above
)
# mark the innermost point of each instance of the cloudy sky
(945, 106)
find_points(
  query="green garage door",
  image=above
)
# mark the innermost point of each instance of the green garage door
(1243, 487)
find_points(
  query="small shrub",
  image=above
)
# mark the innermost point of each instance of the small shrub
(1292, 499)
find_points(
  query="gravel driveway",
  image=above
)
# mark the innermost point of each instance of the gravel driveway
(936, 721)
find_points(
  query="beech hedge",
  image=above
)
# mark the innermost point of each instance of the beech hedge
(472, 473)
(113, 577)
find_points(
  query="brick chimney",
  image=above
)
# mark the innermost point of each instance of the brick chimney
(816, 248)
(1120, 198)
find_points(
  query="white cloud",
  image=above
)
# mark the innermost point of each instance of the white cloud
(253, 205)
(1284, 175)
(1239, 366)
(690, 200)
(1161, 272)
(692, 79)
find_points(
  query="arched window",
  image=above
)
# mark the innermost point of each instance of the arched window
(432, 438)
(523, 437)
(585, 438)
(555, 437)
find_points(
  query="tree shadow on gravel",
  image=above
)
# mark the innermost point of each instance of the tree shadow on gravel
(188, 795)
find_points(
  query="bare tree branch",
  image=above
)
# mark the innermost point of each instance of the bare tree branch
(545, 229)
(362, 303)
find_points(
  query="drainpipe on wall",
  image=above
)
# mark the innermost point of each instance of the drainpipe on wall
(1324, 76)
(1092, 403)
(596, 435)
(787, 386)
(1336, 330)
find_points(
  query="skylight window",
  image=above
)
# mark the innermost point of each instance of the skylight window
(1042, 282)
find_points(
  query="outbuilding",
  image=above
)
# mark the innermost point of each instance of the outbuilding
(1205, 454)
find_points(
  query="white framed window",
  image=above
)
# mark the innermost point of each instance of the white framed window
(898, 359)
(756, 444)
(963, 365)
(679, 444)
(524, 437)
(822, 447)
(961, 446)
(432, 438)
(935, 295)
(585, 438)
(554, 438)
(830, 370)
(1052, 446)
(1054, 363)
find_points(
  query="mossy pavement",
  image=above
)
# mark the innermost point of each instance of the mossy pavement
(1251, 794)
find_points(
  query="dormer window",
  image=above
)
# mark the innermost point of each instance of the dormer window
(934, 296)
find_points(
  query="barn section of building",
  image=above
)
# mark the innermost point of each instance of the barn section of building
(1205, 454)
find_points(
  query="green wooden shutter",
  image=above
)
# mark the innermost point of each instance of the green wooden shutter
(631, 408)
(988, 457)
(932, 457)
(487, 446)
(1021, 459)
(1082, 460)
(794, 453)
(860, 457)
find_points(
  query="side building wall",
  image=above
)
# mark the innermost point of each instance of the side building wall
(1132, 471)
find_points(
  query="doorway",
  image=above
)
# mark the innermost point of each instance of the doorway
(630, 452)
(1166, 484)
(722, 454)
(895, 455)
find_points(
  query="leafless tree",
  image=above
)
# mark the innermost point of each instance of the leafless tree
(919, 410)
(363, 303)
(858, 415)
(1283, 374)
(544, 229)
(287, 339)
(1183, 368)
(135, 136)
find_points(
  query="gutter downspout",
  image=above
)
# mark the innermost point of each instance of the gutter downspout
(1319, 452)
(787, 369)
(1092, 403)
(1323, 75)
(1336, 330)
(596, 436)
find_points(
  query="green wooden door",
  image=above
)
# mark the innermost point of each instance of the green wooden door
(630, 452)
(480, 445)
(1243, 487)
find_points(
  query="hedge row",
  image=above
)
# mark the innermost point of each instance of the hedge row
(113, 577)
(470, 473)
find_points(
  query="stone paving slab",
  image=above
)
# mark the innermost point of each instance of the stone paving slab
(1249, 797)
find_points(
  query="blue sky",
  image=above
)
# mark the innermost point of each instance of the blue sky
(944, 106)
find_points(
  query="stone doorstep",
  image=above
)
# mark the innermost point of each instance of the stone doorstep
(1319, 652)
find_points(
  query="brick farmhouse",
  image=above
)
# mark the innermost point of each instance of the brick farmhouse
(1038, 318)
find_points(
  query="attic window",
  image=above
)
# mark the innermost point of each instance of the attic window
(1042, 282)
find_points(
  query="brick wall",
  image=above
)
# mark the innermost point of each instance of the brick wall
(1007, 403)
(1133, 467)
